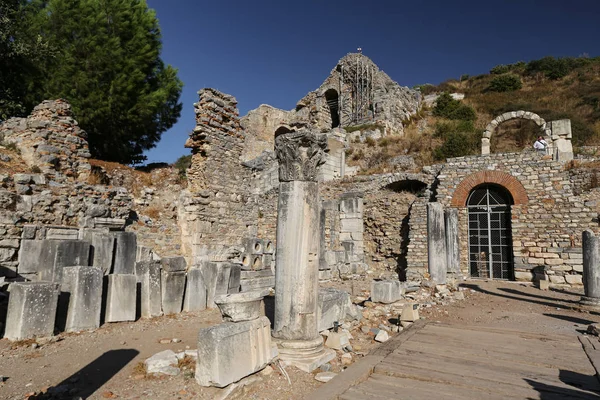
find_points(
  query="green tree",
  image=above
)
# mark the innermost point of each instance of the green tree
(21, 51)
(109, 68)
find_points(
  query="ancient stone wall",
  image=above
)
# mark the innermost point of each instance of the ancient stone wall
(51, 140)
(217, 211)
(547, 218)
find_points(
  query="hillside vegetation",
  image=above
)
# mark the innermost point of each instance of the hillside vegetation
(553, 88)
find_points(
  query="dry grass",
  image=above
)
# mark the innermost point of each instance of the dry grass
(153, 212)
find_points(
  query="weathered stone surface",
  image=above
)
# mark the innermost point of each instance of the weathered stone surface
(195, 291)
(37, 256)
(125, 253)
(103, 250)
(410, 313)
(162, 363)
(68, 253)
(386, 291)
(173, 264)
(235, 274)
(143, 253)
(337, 340)
(173, 287)
(149, 275)
(121, 298)
(382, 336)
(238, 307)
(591, 267)
(334, 305)
(31, 310)
(436, 243)
(230, 351)
(452, 241)
(83, 284)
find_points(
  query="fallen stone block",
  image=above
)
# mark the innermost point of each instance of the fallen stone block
(31, 310)
(62, 234)
(84, 287)
(334, 305)
(195, 291)
(216, 278)
(121, 298)
(231, 351)
(172, 289)
(386, 291)
(125, 253)
(410, 313)
(234, 278)
(248, 285)
(149, 275)
(337, 340)
(37, 257)
(102, 251)
(143, 253)
(162, 363)
(382, 336)
(68, 254)
(173, 264)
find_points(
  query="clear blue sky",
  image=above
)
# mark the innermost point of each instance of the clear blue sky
(274, 52)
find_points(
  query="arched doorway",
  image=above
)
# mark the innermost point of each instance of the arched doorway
(331, 96)
(490, 242)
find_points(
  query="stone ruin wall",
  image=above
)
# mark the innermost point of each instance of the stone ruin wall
(50, 139)
(58, 199)
(546, 231)
(217, 211)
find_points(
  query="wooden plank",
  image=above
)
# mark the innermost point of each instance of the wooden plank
(501, 331)
(502, 380)
(523, 353)
(459, 359)
(496, 339)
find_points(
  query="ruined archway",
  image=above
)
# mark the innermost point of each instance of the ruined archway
(331, 96)
(492, 126)
(500, 178)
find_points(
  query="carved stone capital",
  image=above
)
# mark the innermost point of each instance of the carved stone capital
(300, 154)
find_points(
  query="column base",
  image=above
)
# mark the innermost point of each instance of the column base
(589, 303)
(306, 355)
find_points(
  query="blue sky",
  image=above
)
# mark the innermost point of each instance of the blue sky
(274, 52)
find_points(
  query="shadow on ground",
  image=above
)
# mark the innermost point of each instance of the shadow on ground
(583, 387)
(90, 378)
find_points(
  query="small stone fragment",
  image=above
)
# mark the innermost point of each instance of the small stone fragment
(325, 376)
(382, 336)
(267, 371)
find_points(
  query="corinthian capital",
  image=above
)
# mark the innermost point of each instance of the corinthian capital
(300, 154)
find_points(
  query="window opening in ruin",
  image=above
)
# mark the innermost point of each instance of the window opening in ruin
(490, 243)
(412, 186)
(514, 135)
(333, 102)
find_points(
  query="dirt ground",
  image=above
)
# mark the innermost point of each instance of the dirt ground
(106, 363)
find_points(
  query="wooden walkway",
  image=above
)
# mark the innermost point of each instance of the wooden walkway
(437, 361)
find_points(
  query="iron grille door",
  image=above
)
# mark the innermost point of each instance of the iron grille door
(490, 245)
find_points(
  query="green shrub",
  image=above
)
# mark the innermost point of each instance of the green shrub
(182, 164)
(464, 77)
(505, 83)
(457, 144)
(500, 69)
(447, 107)
(556, 68)
(370, 141)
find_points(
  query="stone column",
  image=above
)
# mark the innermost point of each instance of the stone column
(452, 244)
(436, 243)
(591, 270)
(296, 278)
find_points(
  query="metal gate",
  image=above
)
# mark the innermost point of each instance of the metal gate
(490, 245)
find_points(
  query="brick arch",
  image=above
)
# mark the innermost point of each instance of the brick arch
(506, 180)
(491, 127)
